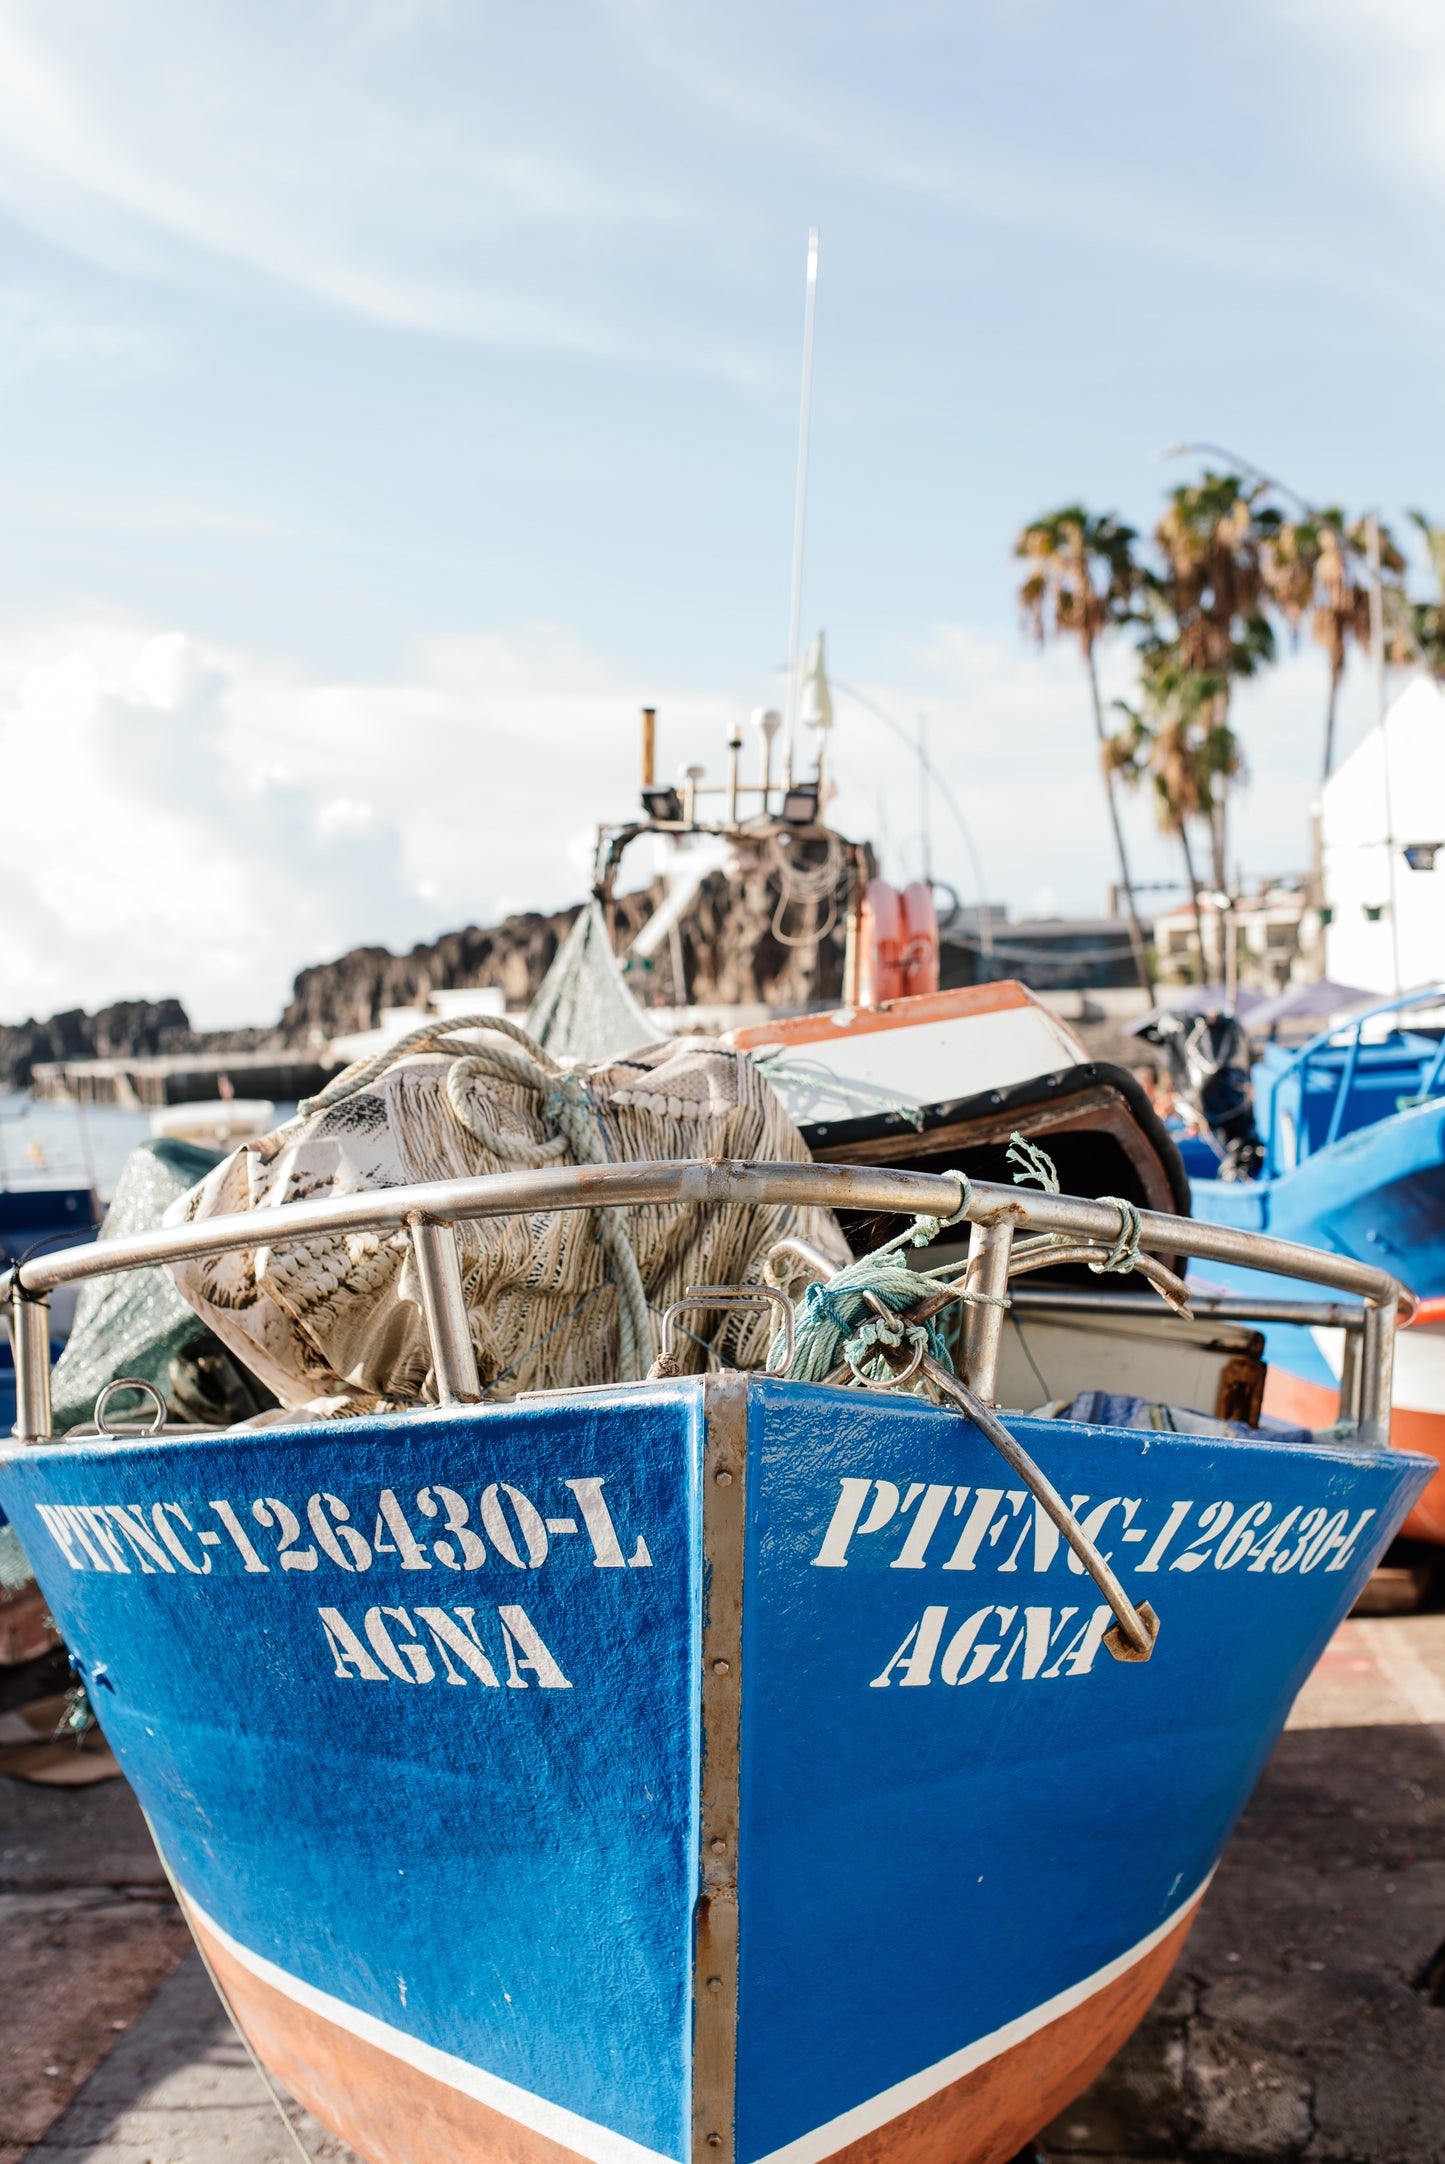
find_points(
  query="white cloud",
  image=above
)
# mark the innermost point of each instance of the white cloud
(1011, 732)
(1388, 77)
(38, 330)
(164, 140)
(205, 821)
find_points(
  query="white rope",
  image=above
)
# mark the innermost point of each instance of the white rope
(804, 884)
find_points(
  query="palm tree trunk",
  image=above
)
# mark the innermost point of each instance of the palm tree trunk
(1335, 675)
(1219, 815)
(1183, 832)
(1136, 930)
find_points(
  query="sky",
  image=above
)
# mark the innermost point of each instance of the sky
(397, 394)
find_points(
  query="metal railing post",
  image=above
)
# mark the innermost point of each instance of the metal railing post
(1377, 1366)
(1347, 1080)
(1350, 1374)
(30, 1337)
(989, 1249)
(439, 1272)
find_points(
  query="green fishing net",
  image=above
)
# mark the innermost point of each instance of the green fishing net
(583, 1009)
(136, 1323)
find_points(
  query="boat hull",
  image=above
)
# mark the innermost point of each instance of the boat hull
(556, 1797)
(1377, 1195)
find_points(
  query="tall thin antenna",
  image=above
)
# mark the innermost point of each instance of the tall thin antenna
(800, 503)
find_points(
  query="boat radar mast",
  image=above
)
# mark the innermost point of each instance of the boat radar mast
(779, 829)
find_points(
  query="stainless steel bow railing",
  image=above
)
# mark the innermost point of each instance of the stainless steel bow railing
(427, 1212)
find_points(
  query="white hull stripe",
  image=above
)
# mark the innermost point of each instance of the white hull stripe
(867, 2118)
(598, 2143)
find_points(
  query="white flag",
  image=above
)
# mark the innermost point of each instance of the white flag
(816, 705)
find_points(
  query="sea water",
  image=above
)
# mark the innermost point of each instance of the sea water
(71, 1145)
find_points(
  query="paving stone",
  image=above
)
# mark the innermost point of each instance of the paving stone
(181, 2089)
(1292, 2027)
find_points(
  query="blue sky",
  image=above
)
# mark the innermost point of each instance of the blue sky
(395, 394)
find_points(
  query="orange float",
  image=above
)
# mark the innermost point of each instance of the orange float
(897, 943)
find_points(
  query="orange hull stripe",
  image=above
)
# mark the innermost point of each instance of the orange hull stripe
(890, 1014)
(988, 2116)
(391, 2112)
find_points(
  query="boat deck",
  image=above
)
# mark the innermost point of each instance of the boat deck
(1292, 2027)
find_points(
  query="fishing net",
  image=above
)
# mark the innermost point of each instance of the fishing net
(136, 1323)
(555, 1299)
(583, 1009)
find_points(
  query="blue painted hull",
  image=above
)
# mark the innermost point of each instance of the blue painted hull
(455, 1806)
(1378, 1195)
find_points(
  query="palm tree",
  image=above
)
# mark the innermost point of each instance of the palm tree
(1211, 594)
(1083, 581)
(1175, 740)
(1426, 619)
(1318, 566)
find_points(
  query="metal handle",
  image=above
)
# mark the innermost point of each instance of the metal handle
(130, 1382)
(29, 1316)
(758, 1298)
(686, 1183)
(1134, 1631)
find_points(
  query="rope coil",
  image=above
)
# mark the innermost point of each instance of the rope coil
(836, 1326)
(804, 886)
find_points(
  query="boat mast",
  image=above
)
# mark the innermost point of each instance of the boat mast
(800, 501)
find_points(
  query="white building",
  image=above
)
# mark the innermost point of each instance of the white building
(1269, 936)
(1382, 824)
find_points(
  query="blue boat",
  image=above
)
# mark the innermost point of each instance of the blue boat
(1353, 1133)
(715, 1767)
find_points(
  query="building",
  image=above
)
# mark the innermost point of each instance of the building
(1272, 931)
(1049, 953)
(1382, 829)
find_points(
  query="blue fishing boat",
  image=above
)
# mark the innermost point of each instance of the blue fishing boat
(779, 1766)
(1353, 1134)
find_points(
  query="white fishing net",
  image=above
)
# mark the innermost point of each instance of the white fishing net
(554, 1299)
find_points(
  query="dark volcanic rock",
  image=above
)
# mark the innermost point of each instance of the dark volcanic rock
(132, 1027)
(739, 946)
(331, 998)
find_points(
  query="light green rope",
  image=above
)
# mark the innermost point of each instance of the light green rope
(1036, 1164)
(835, 1323)
(925, 1229)
(1033, 1163)
(1125, 1252)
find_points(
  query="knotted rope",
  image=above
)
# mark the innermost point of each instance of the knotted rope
(836, 1323)
(568, 1112)
(1124, 1254)
(1035, 1163)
